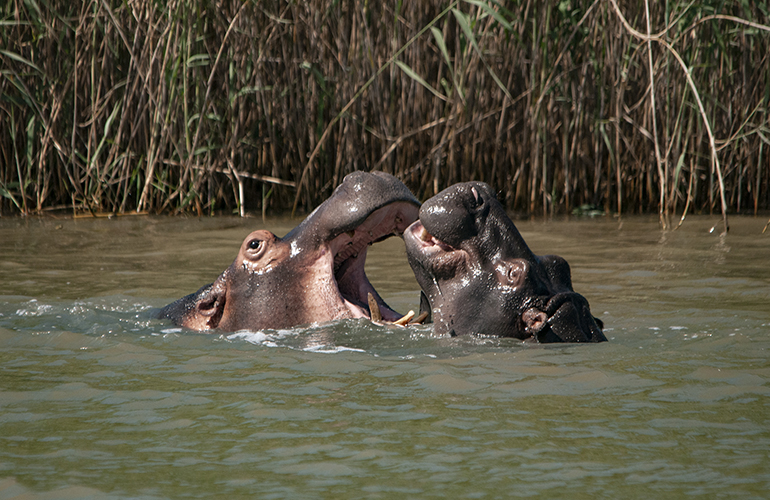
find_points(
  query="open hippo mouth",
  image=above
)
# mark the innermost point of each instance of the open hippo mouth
(349, 251)
(444, 258)
(429, 243)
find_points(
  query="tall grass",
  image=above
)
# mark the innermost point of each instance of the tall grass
(112, 106)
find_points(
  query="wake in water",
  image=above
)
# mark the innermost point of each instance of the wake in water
(131, 320)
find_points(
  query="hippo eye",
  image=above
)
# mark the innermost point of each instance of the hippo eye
(256, 245)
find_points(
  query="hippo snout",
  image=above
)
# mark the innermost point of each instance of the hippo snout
(566, 318)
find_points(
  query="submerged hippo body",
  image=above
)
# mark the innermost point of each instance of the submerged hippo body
(313, 274)
(480, 277)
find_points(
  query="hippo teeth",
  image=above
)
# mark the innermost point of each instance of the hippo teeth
(404, 319)
(420, 318)
(376, 315)
(374, 309)
(431, 240)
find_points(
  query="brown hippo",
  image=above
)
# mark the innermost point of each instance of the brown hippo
(479, 276)
(313, 274)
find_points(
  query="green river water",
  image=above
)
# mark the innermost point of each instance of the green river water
(99, 400)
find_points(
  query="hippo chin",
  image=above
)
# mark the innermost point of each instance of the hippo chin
(480, 277)
(313, 274)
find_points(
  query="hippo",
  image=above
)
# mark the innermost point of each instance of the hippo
(313, 274)
(478, 276)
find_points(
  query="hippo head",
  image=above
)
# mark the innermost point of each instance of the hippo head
(480, 277)
(313, 274)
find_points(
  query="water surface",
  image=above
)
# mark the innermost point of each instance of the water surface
(99, 400)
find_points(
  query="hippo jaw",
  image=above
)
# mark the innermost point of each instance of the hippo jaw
(313, 274)
(481, 278)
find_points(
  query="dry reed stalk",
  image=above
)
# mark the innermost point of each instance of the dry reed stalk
(714, 157)
(109, 106)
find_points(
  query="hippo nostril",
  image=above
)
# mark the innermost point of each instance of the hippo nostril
(534, 320)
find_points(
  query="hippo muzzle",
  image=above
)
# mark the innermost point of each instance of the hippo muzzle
(565, 318)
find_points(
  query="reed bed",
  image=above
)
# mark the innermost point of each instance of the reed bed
(187, 106)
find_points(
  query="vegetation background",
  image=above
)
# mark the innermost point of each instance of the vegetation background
(208, 106)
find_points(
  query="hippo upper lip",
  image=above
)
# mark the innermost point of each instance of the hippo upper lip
(380, 224)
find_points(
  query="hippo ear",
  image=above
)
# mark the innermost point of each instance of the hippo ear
(511, 272)
(210, 304)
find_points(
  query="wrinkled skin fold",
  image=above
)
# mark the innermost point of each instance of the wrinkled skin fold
(313, 274)
(478, 275)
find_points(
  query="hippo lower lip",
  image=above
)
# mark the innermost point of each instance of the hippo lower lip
(445, 259)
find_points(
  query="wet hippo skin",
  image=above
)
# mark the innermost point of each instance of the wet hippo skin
(313, 274)
(478, 275)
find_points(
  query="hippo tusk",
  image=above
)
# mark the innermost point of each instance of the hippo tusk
(420, 318)
(405, 319)
(376, 315)
(374, 309)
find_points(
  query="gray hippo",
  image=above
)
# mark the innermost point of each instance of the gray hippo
(480, 277)
(313, 274)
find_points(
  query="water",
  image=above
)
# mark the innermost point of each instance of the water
(99, 400)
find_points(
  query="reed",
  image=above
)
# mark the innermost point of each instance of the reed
(204, 107)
